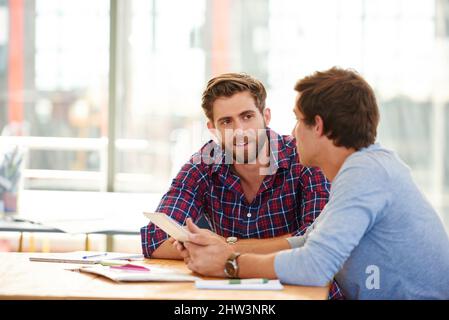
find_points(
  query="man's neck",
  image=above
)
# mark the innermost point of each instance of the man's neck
(251, 173)
(332, 160)
(251, 179)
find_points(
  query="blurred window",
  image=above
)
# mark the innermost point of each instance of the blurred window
(54, 60)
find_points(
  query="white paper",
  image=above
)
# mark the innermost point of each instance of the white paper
(224, 285)
(77, 257)
(154, 274)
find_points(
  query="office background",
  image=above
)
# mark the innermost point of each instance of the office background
(77, 74)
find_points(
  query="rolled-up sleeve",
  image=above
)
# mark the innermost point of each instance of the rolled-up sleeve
(296, 242)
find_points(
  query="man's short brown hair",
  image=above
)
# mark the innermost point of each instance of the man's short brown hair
(228, 84)
(345, 102)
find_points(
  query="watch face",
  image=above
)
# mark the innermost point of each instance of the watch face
(230, 269)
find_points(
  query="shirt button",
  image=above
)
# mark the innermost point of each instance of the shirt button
(249, 215)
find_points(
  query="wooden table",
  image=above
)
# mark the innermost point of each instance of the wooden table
(23, 279)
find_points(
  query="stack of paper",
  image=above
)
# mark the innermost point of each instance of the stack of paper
(244, 284)
(138, 273)
(85, 257)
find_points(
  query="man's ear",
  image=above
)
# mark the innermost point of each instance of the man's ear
(319, 126)
(210, 125)
(267, 116)
(213, 131)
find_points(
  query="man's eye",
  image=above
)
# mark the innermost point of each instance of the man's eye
(225, 122)
(248, 116)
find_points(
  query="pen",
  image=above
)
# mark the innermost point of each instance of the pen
(130, 267)
(95, 255)
(248, 281)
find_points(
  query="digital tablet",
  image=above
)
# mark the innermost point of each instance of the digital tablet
(168, 225)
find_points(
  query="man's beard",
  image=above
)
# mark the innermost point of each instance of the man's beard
(250, 153)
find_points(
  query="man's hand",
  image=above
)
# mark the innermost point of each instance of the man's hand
(207, 252)
(182, 249)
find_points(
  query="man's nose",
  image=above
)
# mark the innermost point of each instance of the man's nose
(238, 125)
(294, 129)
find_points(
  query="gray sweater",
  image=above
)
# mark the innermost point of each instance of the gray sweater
(378, 235)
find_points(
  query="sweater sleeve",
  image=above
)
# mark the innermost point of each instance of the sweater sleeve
(358, 195)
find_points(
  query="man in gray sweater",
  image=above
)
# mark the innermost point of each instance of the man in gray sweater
(378, 236)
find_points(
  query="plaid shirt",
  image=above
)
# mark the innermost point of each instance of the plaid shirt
(215, 192)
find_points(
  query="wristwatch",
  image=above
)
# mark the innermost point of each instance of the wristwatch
(231, 267)
(231, 240)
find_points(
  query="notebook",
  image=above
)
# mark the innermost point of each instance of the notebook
(85, 257)
(227, 285)
(133, 273)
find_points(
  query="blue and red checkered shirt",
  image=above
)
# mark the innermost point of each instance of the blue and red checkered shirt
(214, 191)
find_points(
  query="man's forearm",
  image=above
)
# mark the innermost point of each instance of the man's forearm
(264, 263)
(166, 251)
(262, 246)
(259, 246)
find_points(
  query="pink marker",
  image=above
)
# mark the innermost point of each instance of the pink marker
(131, 267)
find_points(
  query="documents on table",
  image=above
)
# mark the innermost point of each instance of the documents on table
(240, 284)
(137, 273)
(85, 257)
